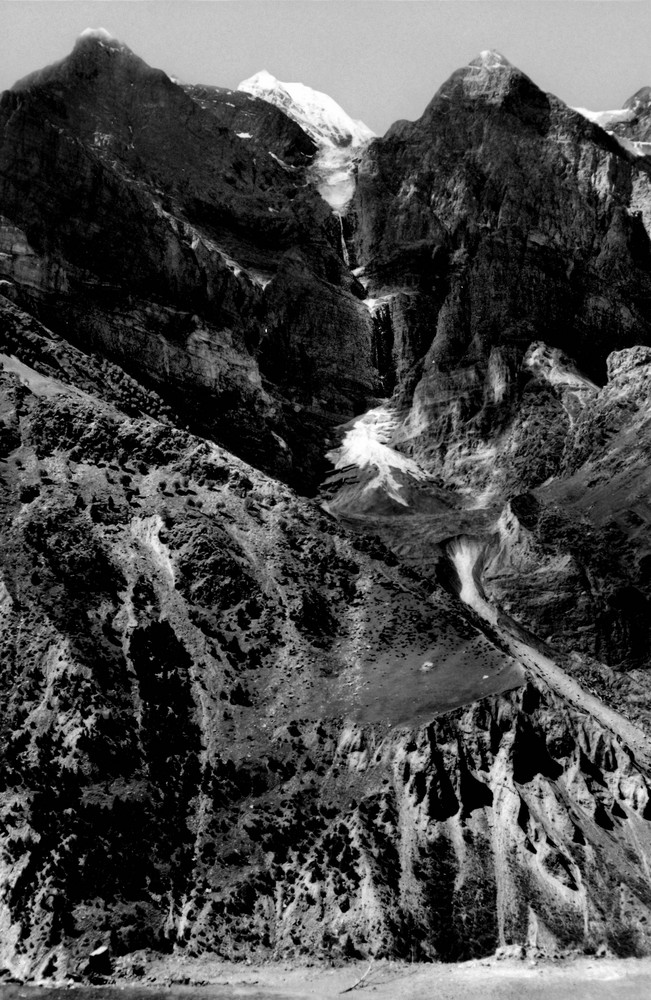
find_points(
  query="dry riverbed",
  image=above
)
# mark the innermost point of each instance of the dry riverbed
(582, 978)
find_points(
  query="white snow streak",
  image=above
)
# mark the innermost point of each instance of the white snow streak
(465, 553)
(366, 445)
(101, 34)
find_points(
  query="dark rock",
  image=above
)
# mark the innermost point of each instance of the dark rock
(100, 962)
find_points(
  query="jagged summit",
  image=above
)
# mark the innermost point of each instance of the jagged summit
(263, 80)
(101, 39)
(317, 113)
(490, 75)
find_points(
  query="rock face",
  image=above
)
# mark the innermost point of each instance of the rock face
(194, 271)
(390, 722)
(498, 219)
(498, 313)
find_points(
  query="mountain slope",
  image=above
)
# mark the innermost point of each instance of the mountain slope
(385, 722)
(227, 723)
(505, 242)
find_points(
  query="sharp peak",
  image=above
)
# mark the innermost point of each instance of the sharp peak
(263, 78)
(489, 77)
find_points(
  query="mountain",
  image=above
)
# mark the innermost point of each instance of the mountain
(338, 137)
(317, 114)
(325, 552)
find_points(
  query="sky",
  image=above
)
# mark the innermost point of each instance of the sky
(380, 59)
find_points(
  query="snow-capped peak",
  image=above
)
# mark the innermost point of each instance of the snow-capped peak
(492, 59)
(338, 137)
(100, 34)
(264, 80)
(317, 113)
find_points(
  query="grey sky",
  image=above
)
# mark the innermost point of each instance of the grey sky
(381, 59)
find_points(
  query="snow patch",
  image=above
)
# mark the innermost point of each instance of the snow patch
(632, 145)
(200, 243)
(101, 34)
(285, 166)
(606, 119)
(492, 59)
(334, 175)
(374, 305)
(366, 445)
